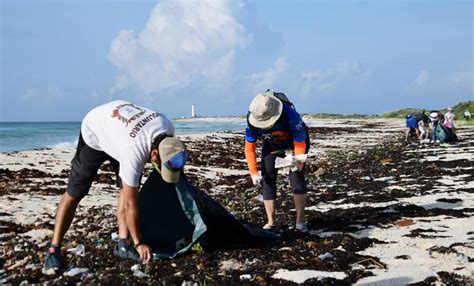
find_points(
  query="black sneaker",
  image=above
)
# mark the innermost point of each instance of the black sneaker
(126, 250)
(53, 259)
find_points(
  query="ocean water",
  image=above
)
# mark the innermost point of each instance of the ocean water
(19, 136)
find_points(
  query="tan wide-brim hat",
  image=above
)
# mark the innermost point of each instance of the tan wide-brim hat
(265, 110)
(169, 147)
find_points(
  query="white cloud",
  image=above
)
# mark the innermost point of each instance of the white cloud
(422, 77)
(266, 79)
(329, 80)
(181, 40)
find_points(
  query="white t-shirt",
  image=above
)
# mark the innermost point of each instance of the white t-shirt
(125, 132)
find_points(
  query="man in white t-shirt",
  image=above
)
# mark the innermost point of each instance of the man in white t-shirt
(128, 136)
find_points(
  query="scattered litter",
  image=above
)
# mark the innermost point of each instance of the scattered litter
(311, 244)
(370, 261)
(367, 178)
(340, 248)
(30, 266)
(259, 198)
(404, 222)
(76, 271)
(245, 277)
(325, 256)
(232, 264)
(79, 250)
(286, 248)
(319, 172)
(49, 271)
(290, 161)
(463, 258)
(115, 236)
(137, 271)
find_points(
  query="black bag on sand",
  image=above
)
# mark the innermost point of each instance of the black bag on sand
(175, 216)
(450, 135)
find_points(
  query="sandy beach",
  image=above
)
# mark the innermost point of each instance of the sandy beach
(381, 212)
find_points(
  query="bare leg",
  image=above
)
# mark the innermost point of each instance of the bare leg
(407, 132)
(270, 210)
(300, 204)
(64, 216)
(121, 221)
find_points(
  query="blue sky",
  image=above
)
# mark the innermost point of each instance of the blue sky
(61, 58)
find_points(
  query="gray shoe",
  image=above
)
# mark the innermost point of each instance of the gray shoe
(54, 259)
(126, 251)
(302, 228)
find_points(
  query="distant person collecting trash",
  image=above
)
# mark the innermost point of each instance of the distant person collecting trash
(273, 119)
(449, 120)
(128, 136)
(411, 126)
(467, 114)
(424, 133)
(435, 119)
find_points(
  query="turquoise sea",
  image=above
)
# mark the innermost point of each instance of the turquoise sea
(19, 136)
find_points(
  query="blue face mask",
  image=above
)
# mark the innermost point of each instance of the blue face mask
(177, 162)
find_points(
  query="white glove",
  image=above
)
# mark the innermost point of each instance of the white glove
(300, 161)
(256, 179)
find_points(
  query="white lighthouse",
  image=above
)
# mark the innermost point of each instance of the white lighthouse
(193, 111)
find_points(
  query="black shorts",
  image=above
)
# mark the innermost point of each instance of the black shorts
(270, 173)
(85, 164)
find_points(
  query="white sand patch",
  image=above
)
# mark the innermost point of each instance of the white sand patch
(38, 234)
(421, 264)
(300, 276)
(426, 201)
(456, 182)
(430, 201)
(322, 207)
(52, 160)
(29, 208)
(451, 157)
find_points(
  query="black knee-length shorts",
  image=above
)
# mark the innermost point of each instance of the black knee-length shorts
(84, 167)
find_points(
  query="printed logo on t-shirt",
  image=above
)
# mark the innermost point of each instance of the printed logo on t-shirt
(127, 113)
(299, 126)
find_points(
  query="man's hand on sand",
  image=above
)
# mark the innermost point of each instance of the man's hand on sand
(145, 252)
(256, 179)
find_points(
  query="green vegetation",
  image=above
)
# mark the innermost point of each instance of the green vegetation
(458, 111)
(197, 248)
(399, 114)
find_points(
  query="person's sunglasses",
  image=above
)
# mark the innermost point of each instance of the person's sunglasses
(177, 162)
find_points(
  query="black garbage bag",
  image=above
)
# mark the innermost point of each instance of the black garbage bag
(173, 217)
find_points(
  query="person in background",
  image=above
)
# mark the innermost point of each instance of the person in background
(128, 136)
(280, 127)
(467, 114)
(435, 118)
(412, 125)
(423, 131)
(449, 120)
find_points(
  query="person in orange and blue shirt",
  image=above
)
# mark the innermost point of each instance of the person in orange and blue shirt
(274, 120)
